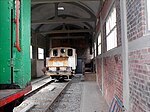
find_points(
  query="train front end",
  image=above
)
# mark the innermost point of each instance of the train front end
(62, 63)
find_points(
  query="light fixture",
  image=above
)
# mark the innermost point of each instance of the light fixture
(61, 8)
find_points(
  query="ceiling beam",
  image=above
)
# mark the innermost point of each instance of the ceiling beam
(67, 37)
(54, 1)
(69, 16)
(66, 31)
(53, 21)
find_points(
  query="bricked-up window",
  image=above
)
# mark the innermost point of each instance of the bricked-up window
(99, 44)
(111, 30)
(40, 53)
(148, 13)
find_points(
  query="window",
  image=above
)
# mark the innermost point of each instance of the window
(62, 50)
(95, 48)
(40, 53)
(55, 52)
(70, 52)
(111, 30)
(99, 44)
(92, 50)
(148, 13)
(31, 55)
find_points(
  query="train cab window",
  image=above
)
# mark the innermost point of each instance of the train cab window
(55, 52)
(70, 52)
(62, 50)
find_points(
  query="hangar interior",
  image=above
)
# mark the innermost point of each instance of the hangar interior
(111, 38)
(63, 24)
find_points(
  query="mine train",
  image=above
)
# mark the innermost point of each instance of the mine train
(61, 63)
(15, 68)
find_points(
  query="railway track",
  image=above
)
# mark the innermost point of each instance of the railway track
(70, 99)
(42, 98)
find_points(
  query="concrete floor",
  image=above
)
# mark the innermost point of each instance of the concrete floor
(92, 99)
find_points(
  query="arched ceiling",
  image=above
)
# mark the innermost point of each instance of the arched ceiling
(78, 16)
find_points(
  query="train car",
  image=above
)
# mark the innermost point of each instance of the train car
(15, 67)
(61, 63)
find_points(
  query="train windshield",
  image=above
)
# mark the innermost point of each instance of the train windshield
(62, 50)
(70, 52)
(55, 52)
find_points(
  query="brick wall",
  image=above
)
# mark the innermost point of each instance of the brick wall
(135, 19)
(81, 45)
(139, 72)
(113, 78)
(99, 71)
(113, 83)
(139, 59)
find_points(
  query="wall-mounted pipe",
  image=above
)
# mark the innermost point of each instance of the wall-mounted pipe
(17, 25)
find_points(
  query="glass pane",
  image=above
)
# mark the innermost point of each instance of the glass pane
(99, 39)
(111, 21)
(112, 40)
(148, 11)
(40, 53)
(95, 48)
(55, 52)
(99, 49)
(70, 52)
(110, 32)
(31, 52)
(62, 50)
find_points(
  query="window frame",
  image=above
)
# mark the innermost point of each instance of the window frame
(40, 53)
(62, 50)
(148, 15)
(111, 29)
(68, 52)
(95, 49)
(99, 43)
(53, 52)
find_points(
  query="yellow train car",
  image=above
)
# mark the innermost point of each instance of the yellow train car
(61, 63)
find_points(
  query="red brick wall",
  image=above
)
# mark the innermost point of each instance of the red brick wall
(113, 78)
(136, 23)
(139, 60)
(139, 72)
(113, 83)
(80, 45)
(99, 71)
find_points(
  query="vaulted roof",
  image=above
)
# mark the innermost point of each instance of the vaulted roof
(64, 16)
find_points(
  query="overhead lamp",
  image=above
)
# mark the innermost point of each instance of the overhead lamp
(61, 8)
